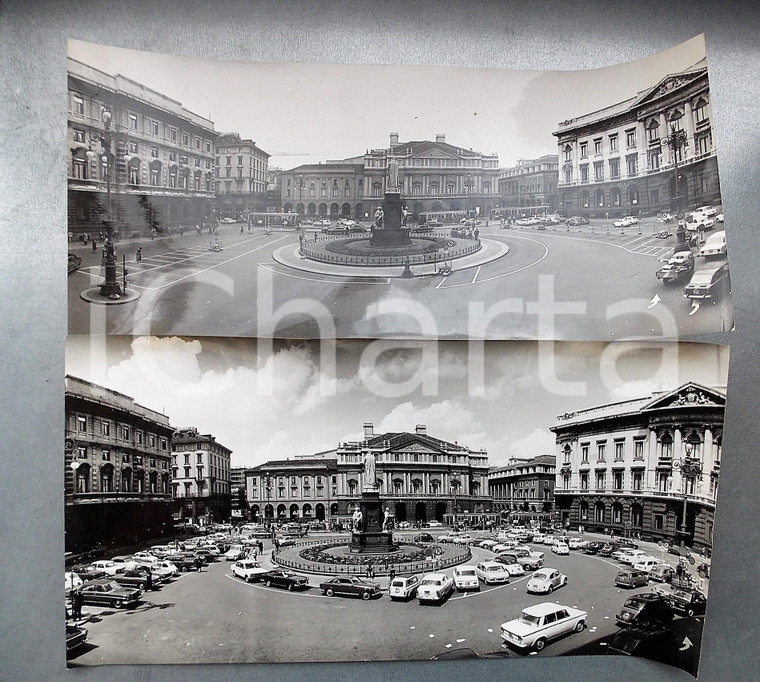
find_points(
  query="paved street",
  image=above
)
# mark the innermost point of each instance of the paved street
(609, 278)
(213, 617)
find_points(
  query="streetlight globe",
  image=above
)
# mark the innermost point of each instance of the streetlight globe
(107, 116)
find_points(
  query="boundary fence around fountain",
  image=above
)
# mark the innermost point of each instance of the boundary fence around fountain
(450, 555)
(369, 261)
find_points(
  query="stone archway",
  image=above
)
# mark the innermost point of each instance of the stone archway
(440, 510)
(420, 512)
(399, 511)
(319, 512)
(294, 511)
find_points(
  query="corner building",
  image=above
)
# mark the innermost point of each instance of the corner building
(645, 468)
(420, 478)
(163, 156)
(615, 162)
(117, 477)
(523, 491)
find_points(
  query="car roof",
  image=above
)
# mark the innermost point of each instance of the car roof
(543, 608)
(434, 576)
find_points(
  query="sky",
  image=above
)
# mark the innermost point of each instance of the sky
(335, 111)
(220, 387)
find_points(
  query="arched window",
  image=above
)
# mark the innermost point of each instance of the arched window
(700, 111)
(583, 511)
(666, 446)
(633, 195)
(568, 152)
(106, 478)
(83, 478)
(584, 199)
(653, 130)
(600, 198)
(675, 120)
(615, 196)
(599, 512)
(617, 513)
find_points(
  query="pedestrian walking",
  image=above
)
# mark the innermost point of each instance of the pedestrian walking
(138, 255)
(152, 232)
(94, 246)
(261, 547)
(391, 574)
(77, 599)
(181, 230)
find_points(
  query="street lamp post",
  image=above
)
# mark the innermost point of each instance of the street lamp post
(690, 468)
(268, 484)
(675, 141)
(110, 288)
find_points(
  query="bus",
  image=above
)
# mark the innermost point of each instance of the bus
(268, 220)
(441, 216)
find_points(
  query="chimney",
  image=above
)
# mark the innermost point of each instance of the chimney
(440, 138)
(421, 430)
(369, 430)
(394, 139)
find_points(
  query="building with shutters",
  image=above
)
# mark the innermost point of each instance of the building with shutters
(617, 161)
(646, 468)
(523, 490)
(117, 475)
(530, 182)
(242, 171)
(163, 156)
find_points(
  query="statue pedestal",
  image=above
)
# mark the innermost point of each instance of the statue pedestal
(372, 539)
(392, 233)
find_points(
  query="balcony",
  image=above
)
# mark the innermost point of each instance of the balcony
(665, 462)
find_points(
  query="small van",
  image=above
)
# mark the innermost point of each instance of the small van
(631, 577)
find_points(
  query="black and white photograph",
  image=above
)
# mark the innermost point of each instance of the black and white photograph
(311, 201)
(264, 501)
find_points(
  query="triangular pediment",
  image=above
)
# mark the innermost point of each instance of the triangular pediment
(433, 153)
(691, 394)
(669, 84)
(416, 446)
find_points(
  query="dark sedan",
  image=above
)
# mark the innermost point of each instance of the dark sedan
(136, 577)
(110, 593)
(687, 601)
(351, 586)
(286, 579)
(645, 608)
(75, 637)
(89, 572)
(423, 537)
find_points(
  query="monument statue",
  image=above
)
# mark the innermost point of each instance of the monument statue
(357, 520)
(393, 174)
(370, 478)
(379, 218)
(405, 213)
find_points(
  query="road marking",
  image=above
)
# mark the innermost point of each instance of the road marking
(440, 284)
(387, 280)
(477, 272)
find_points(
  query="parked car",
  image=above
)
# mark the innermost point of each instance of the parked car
(513, 567)
(434, 587)
(140, 578)
(286, 579)
(492, 572)
(89, 572)
(435, 524)
(630, 577)
(75, 637)
(351, 586)
(403, 525)
(545, 581)
(689, 602)
(249, 570)
(662, 572)
(644, 563)
(423, 537)
(235, 553)
(513, 557)
(465, 578)
(109, 593)
(560, 548)
(655, 642)
(627, 555)
(714, 246)
(576, 220)
(540, 623)
(577, 543)
(403, 587)
(708, 283)
(645, 607)
(75, 262)
(679, 266)
(146, 557)
(72, 580)
(488, 544)
(697, 221)
(593, 547)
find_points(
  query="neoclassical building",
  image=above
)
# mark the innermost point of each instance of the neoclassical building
(434, 177)
(647, 467)
(117, 475)
(242, 171)
(530, 182)
(622, 159)
(162, 170)
(201, 476)
(523, 490)
(420, 478)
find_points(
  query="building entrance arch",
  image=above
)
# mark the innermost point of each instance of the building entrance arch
(399, 511)
(440, 510)
(293, 511)
(420, 512)
(319, 512)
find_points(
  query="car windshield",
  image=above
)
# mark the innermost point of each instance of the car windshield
(467, 571)
(398, 583)
(430, 582)
(702, 278)
(529, 619)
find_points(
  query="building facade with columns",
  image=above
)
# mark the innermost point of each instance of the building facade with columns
(617, 161)
(420, 478)
(646, 468)
(162, 171)
(433, 177)
(523, 490)
(242, 171)
(117, 478)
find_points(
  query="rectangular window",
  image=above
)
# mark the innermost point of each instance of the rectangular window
(600, 451)
(613, 142)
(598, 146)
(598, 171)
(125, 433)
(154, 152)
(584, 150)
(208, 146)
(630, 138)
(619, 450)
(617, 480)
(614, 168)
(638, 479)
(600, 480)
(659, 522)
(584, 481)
(78, 105)
(662, 482)
(584, 173)
(654, 196)
(106, 455)
(105, 428)
(185, 139)
(154, 128)
(173, 134)
(152, 440)
(133, 121)
(584, 453)
(638, 449)
(632, 164)
(132, 147)
(139, 437)
(78, 135)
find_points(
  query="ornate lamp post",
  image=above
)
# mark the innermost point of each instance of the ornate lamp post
(675, 141)
(690, 468)
(268, 486)
(110, 288)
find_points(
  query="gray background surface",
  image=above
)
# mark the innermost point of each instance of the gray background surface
(514, 35)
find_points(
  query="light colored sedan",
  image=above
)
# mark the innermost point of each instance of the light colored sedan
(403, 587)
(492, 572)
(110, 567)
(434, 587)
(560, 548)
(466, 578)
(545, 581)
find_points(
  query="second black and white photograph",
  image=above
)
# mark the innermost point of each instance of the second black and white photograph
(241, 501)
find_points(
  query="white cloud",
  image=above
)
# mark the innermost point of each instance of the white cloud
(537, 442)
(638, 388)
